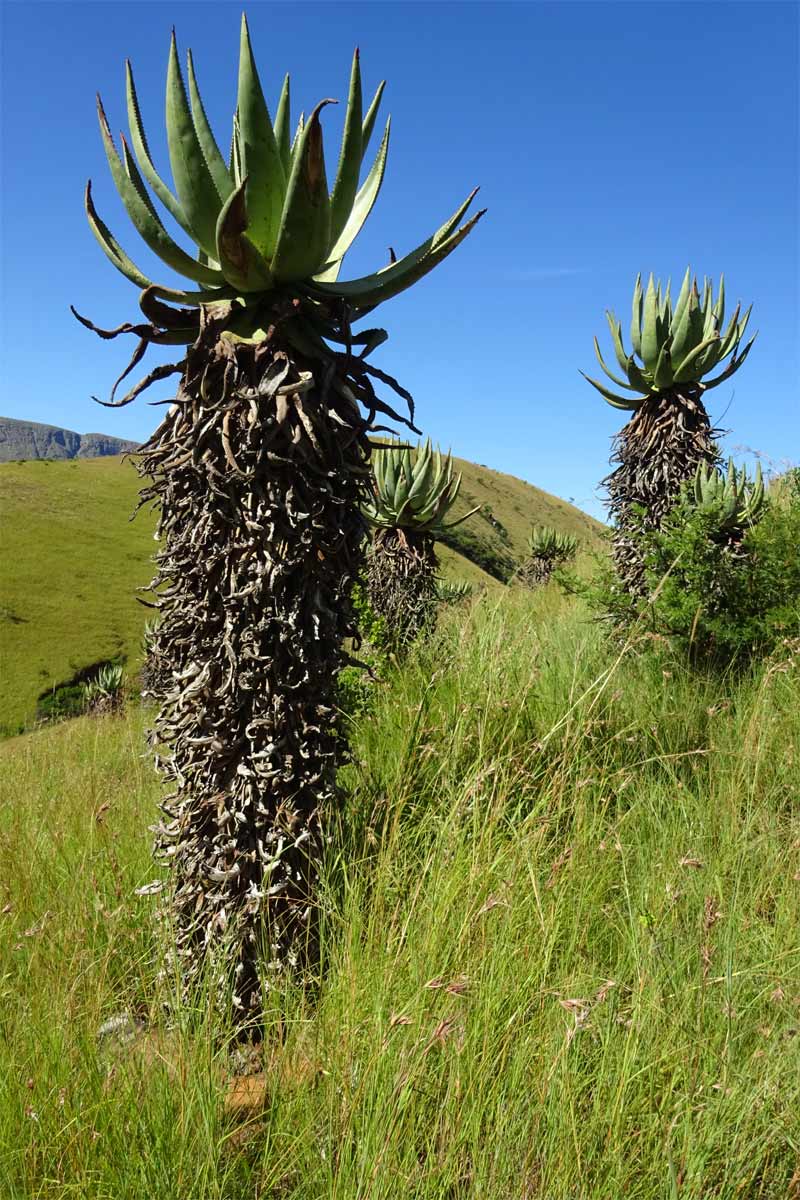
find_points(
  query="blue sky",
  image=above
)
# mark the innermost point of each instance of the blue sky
(608, 138)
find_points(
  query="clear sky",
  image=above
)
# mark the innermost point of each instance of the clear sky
(608, 138)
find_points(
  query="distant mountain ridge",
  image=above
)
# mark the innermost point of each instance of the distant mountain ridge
(30, 440)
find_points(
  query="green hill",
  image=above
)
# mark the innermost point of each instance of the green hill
(73, 559)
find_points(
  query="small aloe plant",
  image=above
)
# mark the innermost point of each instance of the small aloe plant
(548, 549)
(104, 692)
(453, 591)
(414, 490)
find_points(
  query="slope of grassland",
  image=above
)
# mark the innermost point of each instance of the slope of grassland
(560, 946)
(72, 560)
(71, 563)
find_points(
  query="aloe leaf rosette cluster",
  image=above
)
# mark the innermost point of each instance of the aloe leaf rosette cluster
(548, 548)
(731, 500)
(264, 225)
(414, 489)
(259, 471)
(663, 381)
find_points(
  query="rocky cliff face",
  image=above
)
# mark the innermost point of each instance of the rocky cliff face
(29, 439)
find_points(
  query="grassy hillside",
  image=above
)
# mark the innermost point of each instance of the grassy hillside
(560, 946)
(72, 561)
(508, 509)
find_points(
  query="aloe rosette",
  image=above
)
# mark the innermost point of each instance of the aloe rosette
(731, 499)
(413, 489)
(675, 350)
(263, 222)
(259, 471)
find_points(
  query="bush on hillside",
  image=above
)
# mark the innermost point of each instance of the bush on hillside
(718, 600)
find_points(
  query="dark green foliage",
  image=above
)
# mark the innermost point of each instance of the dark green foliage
(65, 701)
(479, 550)
(355, 684)
(718, 599)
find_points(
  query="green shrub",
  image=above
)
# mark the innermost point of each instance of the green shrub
(355, 683)
(62, 702)
(720, 600)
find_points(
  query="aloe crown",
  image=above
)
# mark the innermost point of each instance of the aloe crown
(546, 542)
(673, 347)
(414, 488)
(265, 217)
(730, 497)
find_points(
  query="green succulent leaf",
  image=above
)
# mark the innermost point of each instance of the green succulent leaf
(662, 376)
(345, 185)
(369, 119)
(614, 378)
(282, 128)
(696, 323)
(688, 369)
(259, 153)
(242, 263)
(139, 208)
(364, 202)
(719, 307)
(731, 369)
(305, 228)
(683, 299)
(629, 404)
(142, 152)
(395, 278)
(636, 317)
(110, 246)
(298, 133)
(682, 324)
(208, 143)
(194, 184)
(650, 343)
(616, 337)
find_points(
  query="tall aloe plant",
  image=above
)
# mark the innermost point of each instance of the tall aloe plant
(258, 469)
(664, 384)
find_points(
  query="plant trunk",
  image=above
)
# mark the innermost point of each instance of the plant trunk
(258, 470)
(658, 451)
(536, 571)
(401, 581)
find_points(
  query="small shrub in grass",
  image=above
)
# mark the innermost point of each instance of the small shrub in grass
(61, 703)
(355, 683)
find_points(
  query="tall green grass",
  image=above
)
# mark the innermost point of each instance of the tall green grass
(560, 945)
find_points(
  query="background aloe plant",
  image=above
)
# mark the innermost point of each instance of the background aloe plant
(664, 383)
(413, 491)
(548, 549)
(258, 470)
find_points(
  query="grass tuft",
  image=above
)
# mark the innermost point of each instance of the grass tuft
(560, 945)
